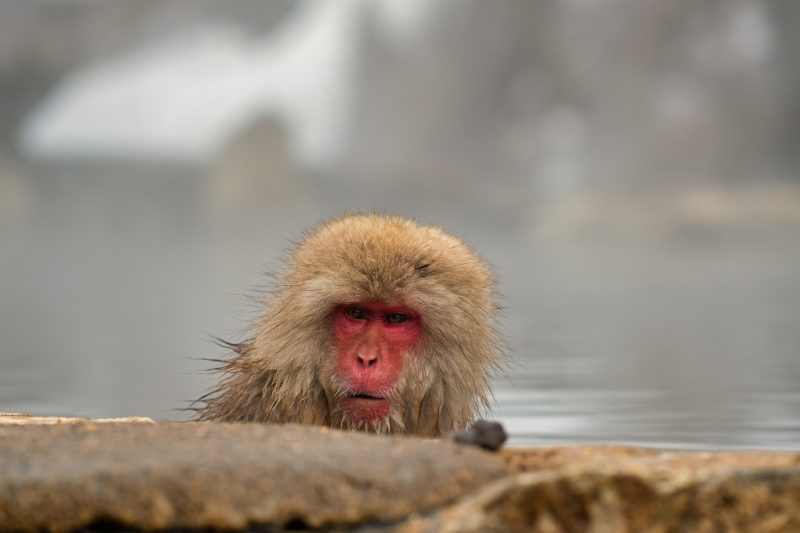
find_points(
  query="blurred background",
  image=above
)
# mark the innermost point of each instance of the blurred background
(630, 167)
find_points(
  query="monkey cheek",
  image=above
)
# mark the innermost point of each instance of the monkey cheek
(367, 411)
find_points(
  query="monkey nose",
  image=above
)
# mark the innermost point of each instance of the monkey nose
(366, 359)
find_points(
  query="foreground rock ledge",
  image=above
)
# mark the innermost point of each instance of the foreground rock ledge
(23, 419)
(225, 476)
(237, 476)
(616, 488)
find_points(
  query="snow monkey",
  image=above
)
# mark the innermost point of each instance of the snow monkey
(377, 323)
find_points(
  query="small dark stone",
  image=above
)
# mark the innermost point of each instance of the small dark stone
(483, 433)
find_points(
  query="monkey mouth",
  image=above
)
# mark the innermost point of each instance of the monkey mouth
(365, 408)
(364, 396)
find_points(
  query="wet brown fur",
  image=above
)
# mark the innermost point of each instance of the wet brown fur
(285, 372)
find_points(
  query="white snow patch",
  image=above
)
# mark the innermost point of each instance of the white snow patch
(184, 98)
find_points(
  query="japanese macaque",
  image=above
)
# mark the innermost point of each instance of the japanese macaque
(377, 324)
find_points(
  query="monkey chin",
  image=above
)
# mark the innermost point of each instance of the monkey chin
(366, 410)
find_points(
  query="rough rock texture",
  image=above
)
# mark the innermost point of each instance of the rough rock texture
(203, 475)
(604, 488)
(237, 476)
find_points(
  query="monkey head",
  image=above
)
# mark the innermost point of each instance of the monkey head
(377, 323)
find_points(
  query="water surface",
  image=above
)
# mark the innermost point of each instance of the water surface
(113, 281)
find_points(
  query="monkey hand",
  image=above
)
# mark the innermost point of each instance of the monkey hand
(483, 433)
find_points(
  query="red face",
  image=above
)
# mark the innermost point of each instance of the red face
(372, 340)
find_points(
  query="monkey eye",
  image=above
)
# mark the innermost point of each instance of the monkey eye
(355, 313)
(395, 318)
